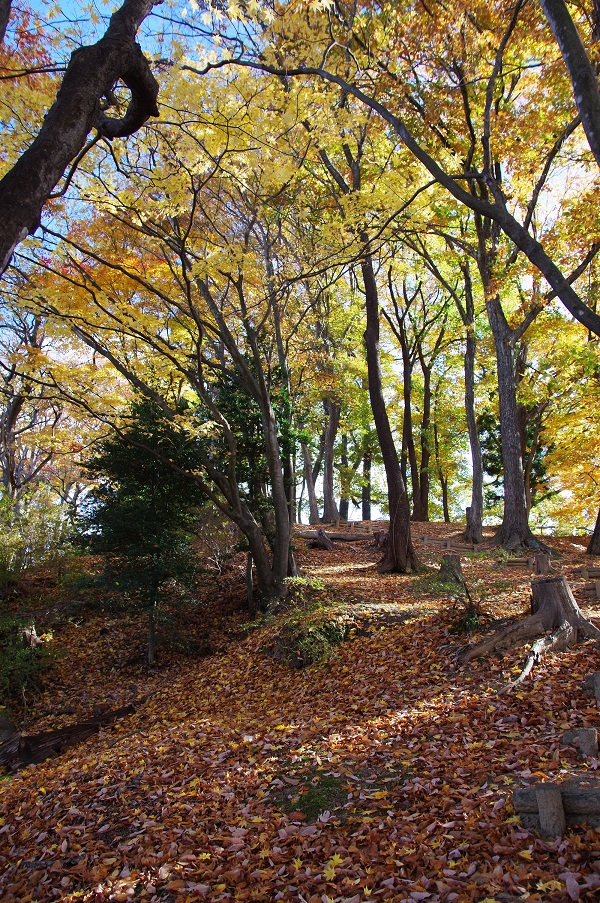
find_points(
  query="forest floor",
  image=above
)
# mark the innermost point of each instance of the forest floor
(383, 773)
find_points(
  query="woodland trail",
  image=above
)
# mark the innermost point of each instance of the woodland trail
(381, 774)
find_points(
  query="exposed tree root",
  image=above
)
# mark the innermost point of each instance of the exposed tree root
(556, 622)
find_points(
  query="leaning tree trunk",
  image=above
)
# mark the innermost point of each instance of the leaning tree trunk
(556, 622)
(594, 546)
(400, 554)
(330, 511)
(313, 517)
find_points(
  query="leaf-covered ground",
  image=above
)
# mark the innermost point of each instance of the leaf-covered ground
(381, 774)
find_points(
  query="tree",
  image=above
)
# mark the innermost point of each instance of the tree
(143, 509)
(90, 76)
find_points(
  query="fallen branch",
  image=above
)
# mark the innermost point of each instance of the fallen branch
(22, 749)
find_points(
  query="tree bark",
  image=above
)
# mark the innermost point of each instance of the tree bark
(580, 69)
(91, 74)
(366, 486)
(474, 528)
(330, 511)
(514, 532)
(594, 544)
(344, 481)
(4, 17)
(313, 517)
(400, 555)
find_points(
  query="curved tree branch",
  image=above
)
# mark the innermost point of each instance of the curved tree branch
(91, 74)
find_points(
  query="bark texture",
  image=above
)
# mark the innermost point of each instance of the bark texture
(400, 554)
(594, 544)
(91, 74)
(4, 17)
(581, 72)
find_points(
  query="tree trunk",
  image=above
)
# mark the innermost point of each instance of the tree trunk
(425, 444)
(330, 511)
(4, 17)
(366, 486)
(514, 533)
(580, 69)
(91, 74)
(594, 544)
(474, 529)
(344, 480)
(313, 508)
(400, 555)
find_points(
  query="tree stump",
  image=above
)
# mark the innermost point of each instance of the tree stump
(541, 564)
(556, 622)
(451, 570)
(321, 541)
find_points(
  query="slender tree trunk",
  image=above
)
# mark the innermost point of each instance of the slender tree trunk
(330, 511)
(344, 480)
(594, 545)
(474, 528)
(425, 445)
(400, 555)
(366, 485)
(514, 532)
(443, 480)
(310, 486)
(408, 442)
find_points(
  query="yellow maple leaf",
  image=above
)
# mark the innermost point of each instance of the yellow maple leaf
(297, 863)
(549, 885)
(525, 854)
(329, 873)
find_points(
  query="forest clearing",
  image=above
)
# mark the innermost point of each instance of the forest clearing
(299, 406)
(382, 772)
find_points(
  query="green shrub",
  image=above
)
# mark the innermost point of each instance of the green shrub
(21, 666)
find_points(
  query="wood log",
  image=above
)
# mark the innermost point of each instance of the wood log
(24, 749)
(578, 801)
(311, 535)
(553, 822)
(588, 573)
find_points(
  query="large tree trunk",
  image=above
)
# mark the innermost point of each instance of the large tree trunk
(330, 511)
(514, 532)
(400, 554)
(594, 545)
(313, 517)
(91, 74)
